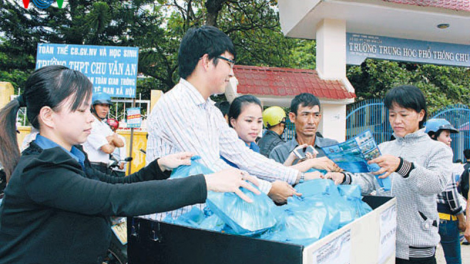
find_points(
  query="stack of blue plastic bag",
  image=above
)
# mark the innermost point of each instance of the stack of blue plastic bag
(322, 209)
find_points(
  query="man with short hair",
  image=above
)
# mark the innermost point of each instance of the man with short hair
(306, 115)
(185, 118)
(102, 140)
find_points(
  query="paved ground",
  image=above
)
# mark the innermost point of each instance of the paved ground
(465, 255)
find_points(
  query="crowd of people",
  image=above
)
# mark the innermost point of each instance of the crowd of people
(61, 191)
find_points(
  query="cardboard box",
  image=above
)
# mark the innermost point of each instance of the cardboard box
(369, 239)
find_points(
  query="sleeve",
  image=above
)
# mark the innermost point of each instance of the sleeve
(123, 150)
(452, 198)
(97, 138)
(366, 181)
(276, 154)
(63, 189)
(147, 173)
(433, 177)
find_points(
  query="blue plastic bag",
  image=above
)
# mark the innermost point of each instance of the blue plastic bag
(188, 170)
(301, 221)
(193, 218)
(213, 223)
(352, 194)
(243, 218)
(315, 187)
(339, 211)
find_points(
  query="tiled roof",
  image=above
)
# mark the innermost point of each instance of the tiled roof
(287, 82)
(460, 5)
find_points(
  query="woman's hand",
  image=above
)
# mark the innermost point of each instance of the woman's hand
(172, 161)
(324, 163)
(387, 163)
(280, 191)
(230, 180)
(337, 177)
(313, 175)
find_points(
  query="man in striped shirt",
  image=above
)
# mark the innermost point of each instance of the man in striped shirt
(186, 119)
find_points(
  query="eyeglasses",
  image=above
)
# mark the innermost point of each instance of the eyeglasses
(229, 61)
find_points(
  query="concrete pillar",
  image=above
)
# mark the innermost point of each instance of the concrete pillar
(333, 124)
(331, 49)
(154, 97)
(331, 65)
(6, 91)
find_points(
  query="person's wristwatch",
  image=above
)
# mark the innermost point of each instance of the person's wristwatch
(302, 177)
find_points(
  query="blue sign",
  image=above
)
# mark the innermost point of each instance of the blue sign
(360, 46)
(112, 70)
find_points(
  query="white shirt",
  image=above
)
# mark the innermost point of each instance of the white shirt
(120, 154)
(99, 131)
(29, 138)
(183, 121)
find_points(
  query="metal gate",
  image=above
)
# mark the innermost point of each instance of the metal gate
(369, 114)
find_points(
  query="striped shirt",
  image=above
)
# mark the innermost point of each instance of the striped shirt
(183, 120)
(448, 201)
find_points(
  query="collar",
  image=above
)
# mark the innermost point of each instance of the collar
(270, 132)
(421, 133)
(46, 143)
(99, 120)
(319, 143)
(194, 94)
(292, 144)
(253, 146)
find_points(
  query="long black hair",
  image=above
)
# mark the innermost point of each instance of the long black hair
(47, 86)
